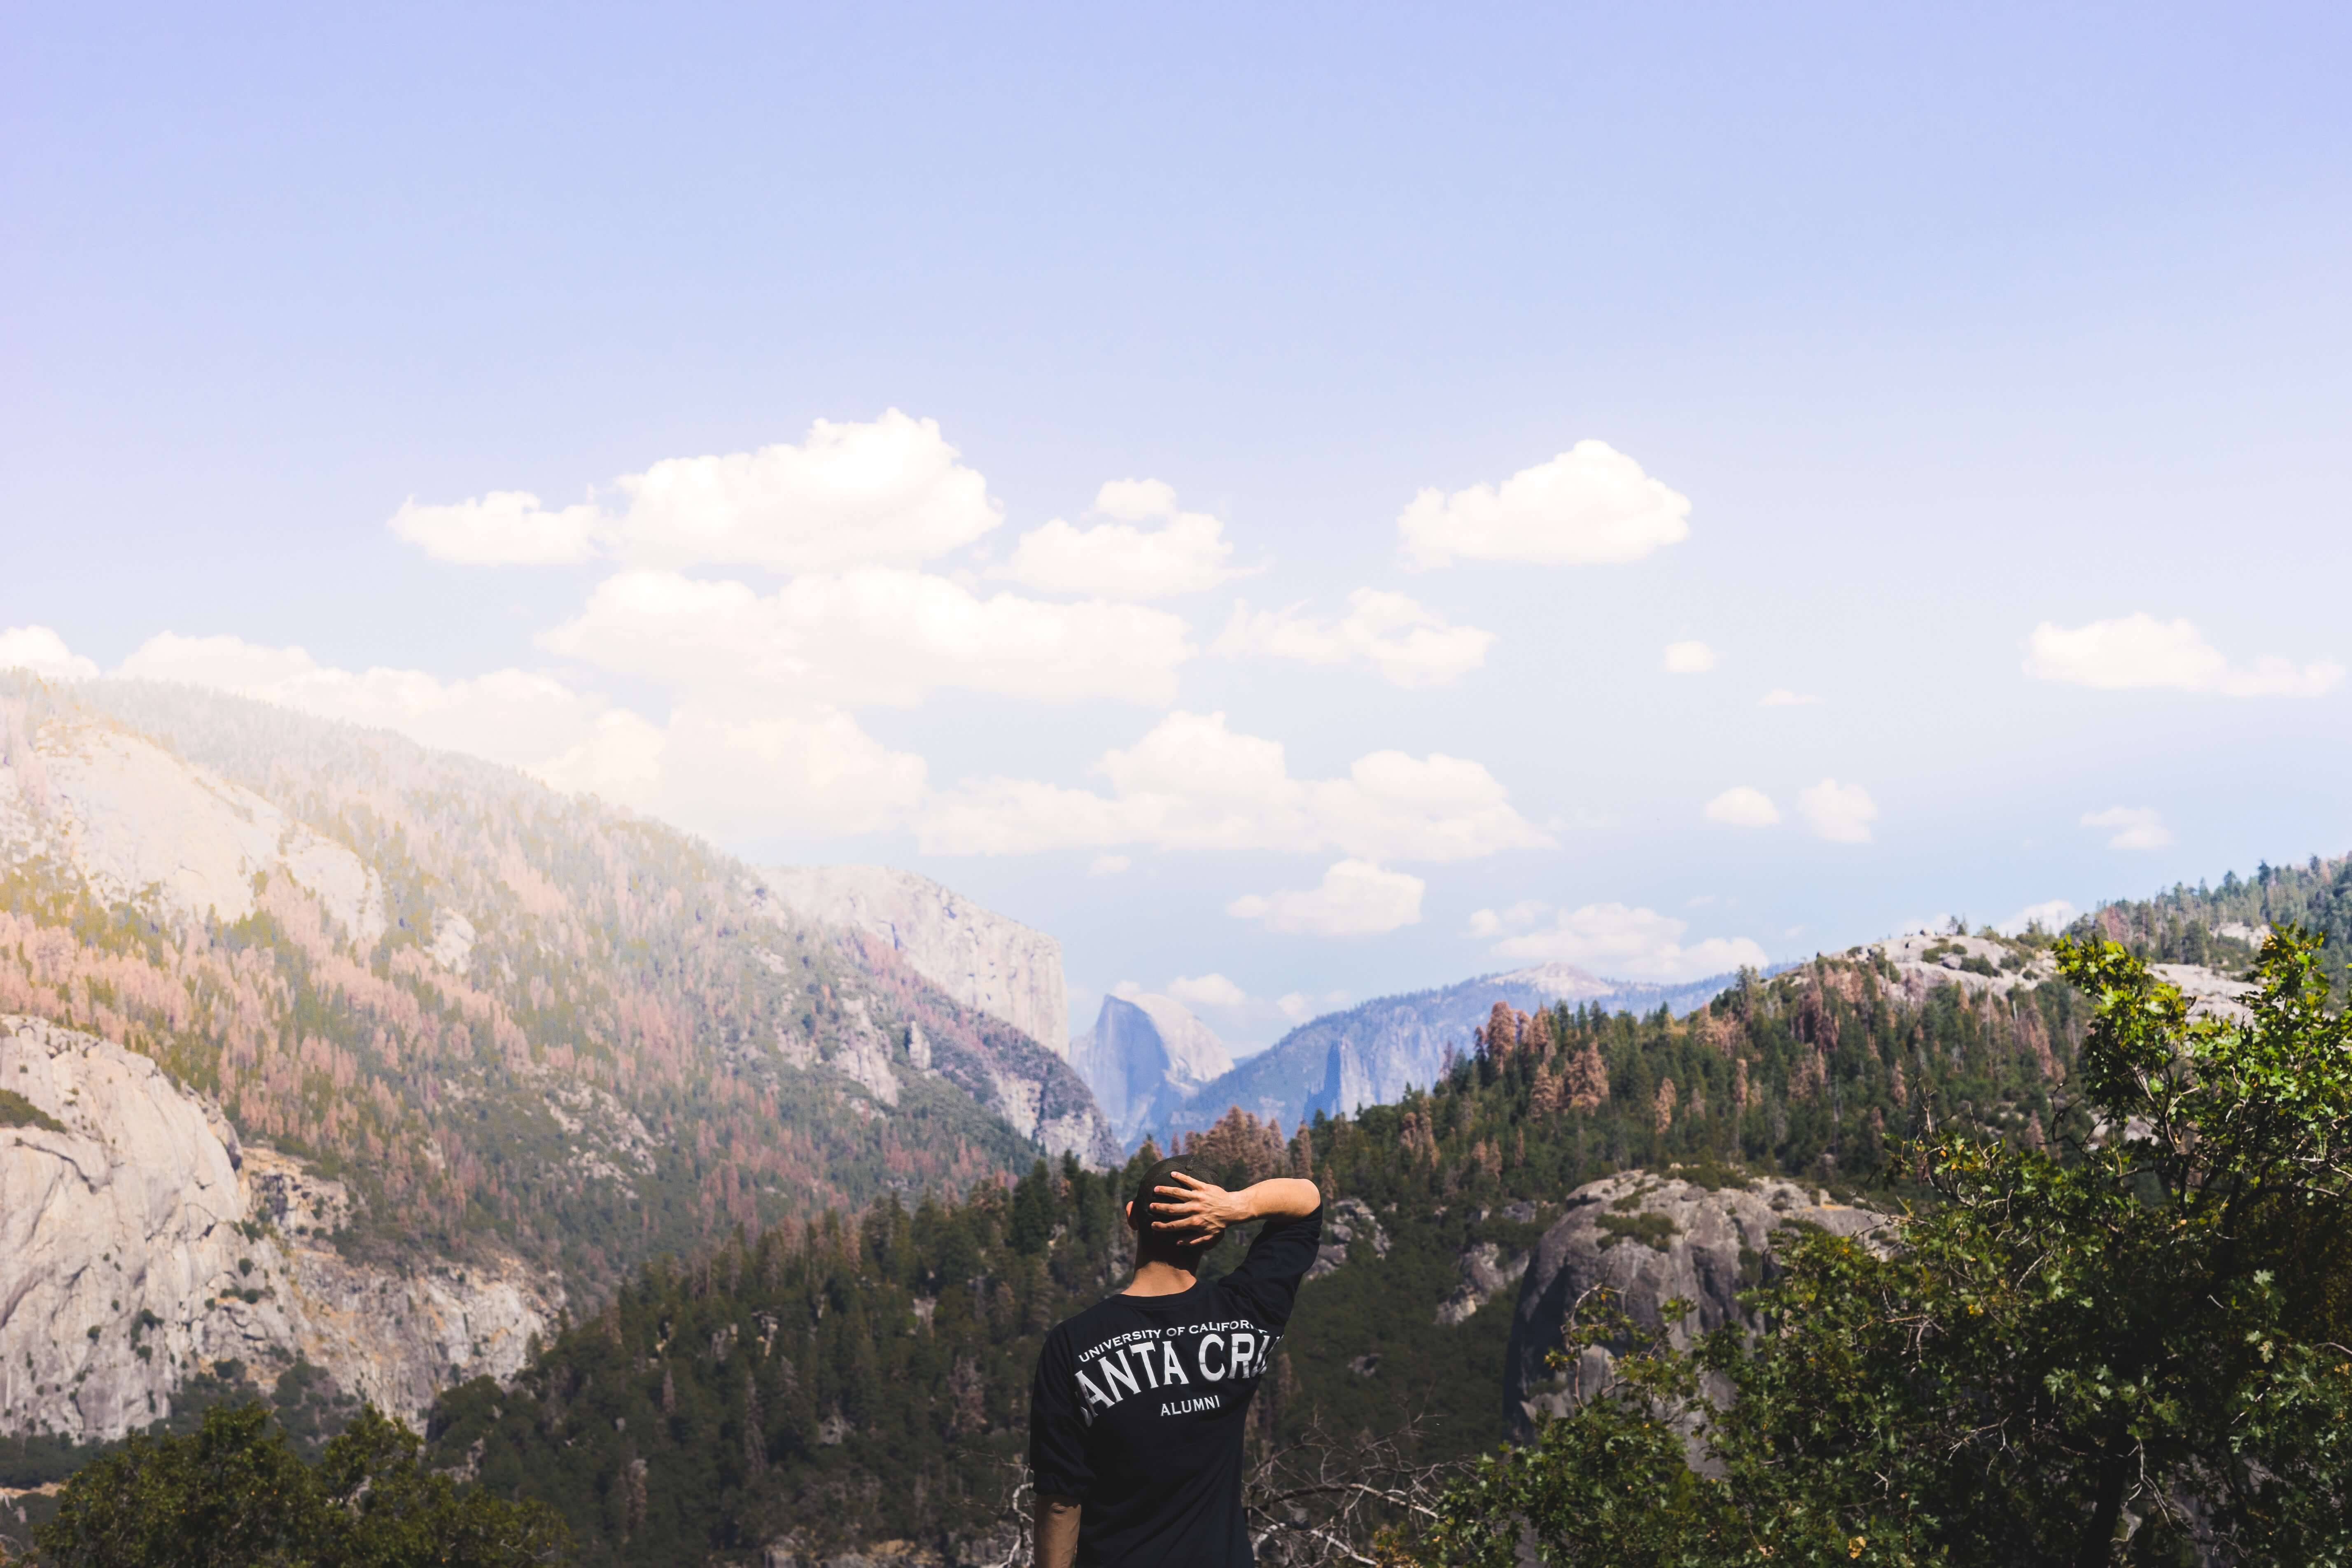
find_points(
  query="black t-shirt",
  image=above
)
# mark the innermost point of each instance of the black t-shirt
(1138, 1405)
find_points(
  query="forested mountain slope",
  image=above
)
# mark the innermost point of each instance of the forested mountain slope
(1376, 1051)
(862, 1379)
(513, 1025)
(2223, 925)
(984, 961)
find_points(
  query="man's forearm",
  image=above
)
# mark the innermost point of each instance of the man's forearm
(1057, 1531)
(1282, 1197)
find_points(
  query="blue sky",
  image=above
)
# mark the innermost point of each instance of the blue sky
(1923, 331)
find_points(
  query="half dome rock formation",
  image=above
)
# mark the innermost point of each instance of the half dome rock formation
(989, 963)
(1652, 1239)
(141, 1244)
(1144, 1056)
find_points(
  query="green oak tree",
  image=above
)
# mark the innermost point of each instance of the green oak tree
(235, 1494)
(2128, 1347)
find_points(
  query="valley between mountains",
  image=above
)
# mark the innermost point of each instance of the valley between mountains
(722, 1206)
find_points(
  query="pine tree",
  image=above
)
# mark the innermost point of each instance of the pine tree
(1588, 1080)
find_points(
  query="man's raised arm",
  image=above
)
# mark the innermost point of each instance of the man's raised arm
(1282, 1198)
(1203, 1212)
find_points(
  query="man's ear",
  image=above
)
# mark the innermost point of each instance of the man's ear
(1128, 1209)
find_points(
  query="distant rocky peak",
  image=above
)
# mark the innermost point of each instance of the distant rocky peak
(1195, 1054)
(1144, 1055)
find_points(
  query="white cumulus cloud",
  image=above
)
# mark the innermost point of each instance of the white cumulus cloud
(2140, 652)
(2051, 914)
(44, 652)
(1689, 658)
(1406, 643)
(1589, 505)
(1743, 806)
(504, 527)
(1188, 553)
(2134, 827)
(1518, 917)
(1842, 813)
(806, 764)
(878, 634)
(1192, 783)
(619, 758)
(1356, 898)
(1136, 501)
(1107, 865)
(1629, 943)
(1211, 990)
(891, 491)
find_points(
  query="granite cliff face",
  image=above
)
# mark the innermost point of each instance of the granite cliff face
(1144, 1056)
(983, 960)
(1372, 1053)
(1652, 1239)
(140, 1243)
(138, 823)
(536, 1040)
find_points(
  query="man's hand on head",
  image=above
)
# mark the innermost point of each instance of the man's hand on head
(1202, 1211)
(1186, 1206)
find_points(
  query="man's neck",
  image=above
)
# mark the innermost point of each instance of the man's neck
(1154, 1278)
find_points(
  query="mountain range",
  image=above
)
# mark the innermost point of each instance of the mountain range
(428, 1041)
(1373, 1053)
(325, 1058)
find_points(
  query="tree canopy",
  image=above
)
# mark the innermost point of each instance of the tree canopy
(2125, 1346)
(236, 1494)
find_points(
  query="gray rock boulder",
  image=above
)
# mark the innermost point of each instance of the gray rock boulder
(1652, 1239)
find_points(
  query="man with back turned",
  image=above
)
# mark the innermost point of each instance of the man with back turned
(1134, 1418)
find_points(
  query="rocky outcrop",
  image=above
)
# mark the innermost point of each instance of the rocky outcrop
(1487, 1272)
(2210, 992)
(1651, 1239)
(1923, 961)
(1144, 1056)
(1039, 1094)
(134, 820)
(141, 1243)
(983, 960)
(1348, 1221)
(1372, 1053)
